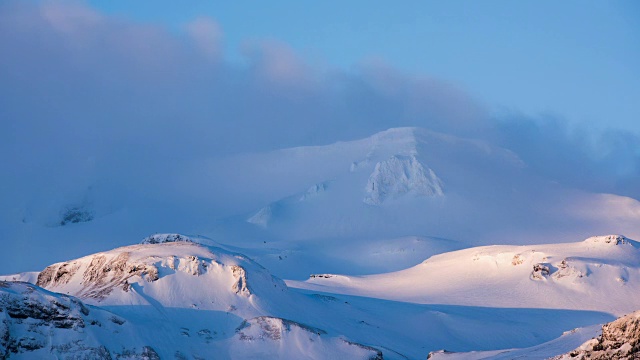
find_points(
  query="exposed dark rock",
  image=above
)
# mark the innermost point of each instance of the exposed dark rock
(165, 238)
(540, 271)
(323, 276)
(76, 214)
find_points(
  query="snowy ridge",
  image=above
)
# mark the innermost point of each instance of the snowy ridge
(605, 267)
(158, 272)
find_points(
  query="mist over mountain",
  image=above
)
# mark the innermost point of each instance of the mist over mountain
(93, 96)
(291, 208)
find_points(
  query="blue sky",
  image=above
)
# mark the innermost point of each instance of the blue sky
(571, 59)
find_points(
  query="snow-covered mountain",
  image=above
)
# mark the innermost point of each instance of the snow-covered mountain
(285, 207)
(397, 231)
(396, 184)
(183, 299)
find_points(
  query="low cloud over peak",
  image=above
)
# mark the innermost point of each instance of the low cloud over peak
(86, 97)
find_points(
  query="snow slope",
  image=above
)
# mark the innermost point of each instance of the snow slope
(618, 339)
(600, 273)
(568, 341)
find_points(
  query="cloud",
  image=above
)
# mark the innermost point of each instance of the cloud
(70, 18)
(86, 99)
(207, 34)
(576, 156)
(276, 63)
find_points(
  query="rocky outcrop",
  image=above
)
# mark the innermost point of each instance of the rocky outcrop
(31, 317)
(240, 286)
(620, 339)
(75, 214)
(165, 238)
(540, 271)
(566, 270)
(609, 240)
(101, 275)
